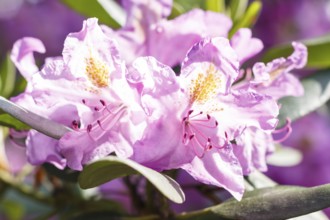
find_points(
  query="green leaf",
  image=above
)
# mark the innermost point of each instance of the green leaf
(114, 10)
(237, 9)
(215, 5)
(318, 52)
(92, 8)
(317, 93)
(189, 5)
(112, 167)
(280, 202)
(248, 19)
(7, 77)
(177, 9)
(41, 124)
(12, 209)
(9, 121)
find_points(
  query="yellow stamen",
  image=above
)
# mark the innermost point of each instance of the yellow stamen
(205, 86)
(97, 72)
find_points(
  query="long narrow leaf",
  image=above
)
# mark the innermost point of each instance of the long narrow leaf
(92, 8)
(7, 77)
(249, 18)
(39, 123)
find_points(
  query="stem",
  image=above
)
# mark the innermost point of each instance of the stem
(137, 200)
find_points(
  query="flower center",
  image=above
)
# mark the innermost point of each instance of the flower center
(204, 86)
(97, 72)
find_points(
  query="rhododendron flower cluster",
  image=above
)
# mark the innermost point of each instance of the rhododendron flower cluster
(208, 120)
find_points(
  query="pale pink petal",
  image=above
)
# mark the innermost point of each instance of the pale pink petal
(246, 109)
(275, 79)
(41, 148)
(22, 55)
(245, 45)
(220, 168)
(169, 40)
(163, 101)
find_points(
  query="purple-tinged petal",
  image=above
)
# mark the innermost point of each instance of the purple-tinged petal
(182, 33)
(163, 102)
(41, 149)
(22, 55)
(244, 45)
(220, 168)
(240, 110)
(77, 146)
(251, 149)
(161, 147)
(131, 42)
(133, 38)
(15, 153)
(274, 78)
(284, 85)
(146, 11)
(152, 78)
(299, 57)
(213, 60)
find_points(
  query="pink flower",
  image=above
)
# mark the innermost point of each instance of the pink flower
(85, 90)
(192, 119)
(273, 79)
(148, 33)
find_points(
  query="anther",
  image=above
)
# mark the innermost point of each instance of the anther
(96, 109)
(102, 102)
(75, 125)
(191, 136)
(83, 101)
(190, 111)
(89, 128)
(216, 123)
(208, 117)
